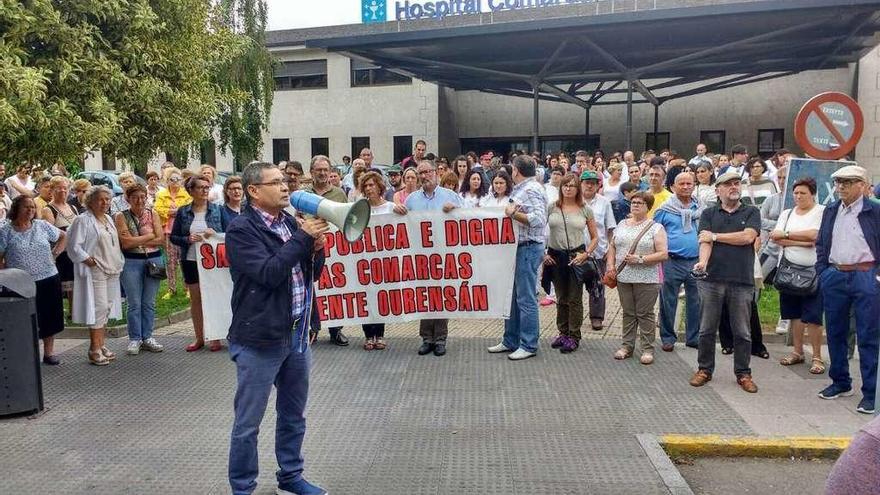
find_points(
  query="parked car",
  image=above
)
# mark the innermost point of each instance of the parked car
(109, 178)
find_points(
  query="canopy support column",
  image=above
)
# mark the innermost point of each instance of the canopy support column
(535, 130)
(629, 115)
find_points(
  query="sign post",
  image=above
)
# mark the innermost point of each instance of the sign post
(829, 126)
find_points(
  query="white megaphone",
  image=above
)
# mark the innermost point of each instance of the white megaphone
(350, 218)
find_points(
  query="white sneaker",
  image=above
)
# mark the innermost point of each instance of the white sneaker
(134, 347)
(782, 327)
(151, 345)
(520, 354)
(495, 349)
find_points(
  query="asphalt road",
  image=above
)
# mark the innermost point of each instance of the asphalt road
(736, 476)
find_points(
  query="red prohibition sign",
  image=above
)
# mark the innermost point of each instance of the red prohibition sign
(821, 126)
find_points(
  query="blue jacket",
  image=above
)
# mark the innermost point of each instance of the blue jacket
(260, 265)
(869, 219)
(184, 219)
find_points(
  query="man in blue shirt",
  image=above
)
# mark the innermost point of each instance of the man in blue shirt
(431, 197)
(680, 216)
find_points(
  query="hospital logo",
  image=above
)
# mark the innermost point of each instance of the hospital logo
(373, 11)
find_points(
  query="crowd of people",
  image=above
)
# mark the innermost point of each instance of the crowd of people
(83, 244)
(711, 229)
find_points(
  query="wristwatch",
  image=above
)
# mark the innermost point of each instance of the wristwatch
(714, 237)
(786, 234)
(641, 260)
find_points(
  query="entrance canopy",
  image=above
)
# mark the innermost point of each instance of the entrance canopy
(641, 56)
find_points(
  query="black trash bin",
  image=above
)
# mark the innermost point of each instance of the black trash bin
(21, 384)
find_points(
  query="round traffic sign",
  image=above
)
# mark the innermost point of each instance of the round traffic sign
(829, 126)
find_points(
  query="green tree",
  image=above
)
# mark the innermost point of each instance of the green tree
(136, 76)
(245, 80)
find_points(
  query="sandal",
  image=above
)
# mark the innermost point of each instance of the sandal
(818, 366)
(763, 354)
(379, 344)
(727, 350)
(793, 358)
(369, 345)
(622, 353)
(97, 358)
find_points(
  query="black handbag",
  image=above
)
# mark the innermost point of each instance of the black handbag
(794, 279)
(585, 272)
(157, 271)
(153, 269)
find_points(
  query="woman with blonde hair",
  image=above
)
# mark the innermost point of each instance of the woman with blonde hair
(61, 214)
(120, 203)
(210, 173)
(611, 187)
(80, 188)
(168, 201)
(410, 185)
(93, 247)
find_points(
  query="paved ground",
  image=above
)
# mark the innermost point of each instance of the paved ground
(392, 422)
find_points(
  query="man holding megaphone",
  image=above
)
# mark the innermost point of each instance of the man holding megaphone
(273, 263)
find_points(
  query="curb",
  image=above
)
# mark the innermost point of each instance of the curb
(116, 331)
(672, 478)
(726, 446)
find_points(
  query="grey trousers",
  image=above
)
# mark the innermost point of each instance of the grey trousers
(637, 305)
(434, 331)
(738, 299)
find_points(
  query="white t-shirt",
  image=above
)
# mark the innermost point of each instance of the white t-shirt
(386, 207)
(469, 200)
(604, 216)
(611, 193)
(552, 193)
(812, 220)
(12, 191)
(215, 195)
(490, 201)
(198, 225)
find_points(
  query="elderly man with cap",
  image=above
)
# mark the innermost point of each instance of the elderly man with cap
(848, 252)
(728, 231)
(605, 224)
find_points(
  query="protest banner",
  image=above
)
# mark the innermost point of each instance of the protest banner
(421, 265)
(216, 286)
(820, 170)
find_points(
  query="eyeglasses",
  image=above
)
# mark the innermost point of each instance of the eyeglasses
(634, 203)
(232, 189)
(174, 179)
(845, 182)
(274, 183)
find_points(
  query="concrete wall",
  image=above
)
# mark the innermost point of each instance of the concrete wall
(341, 112)
(739, 111)
(224, 162)
(868, 150)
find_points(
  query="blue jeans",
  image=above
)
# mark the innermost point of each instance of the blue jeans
(522, 328)
(140, 295)
(840, 291)
(675, 273)
(257, 369)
